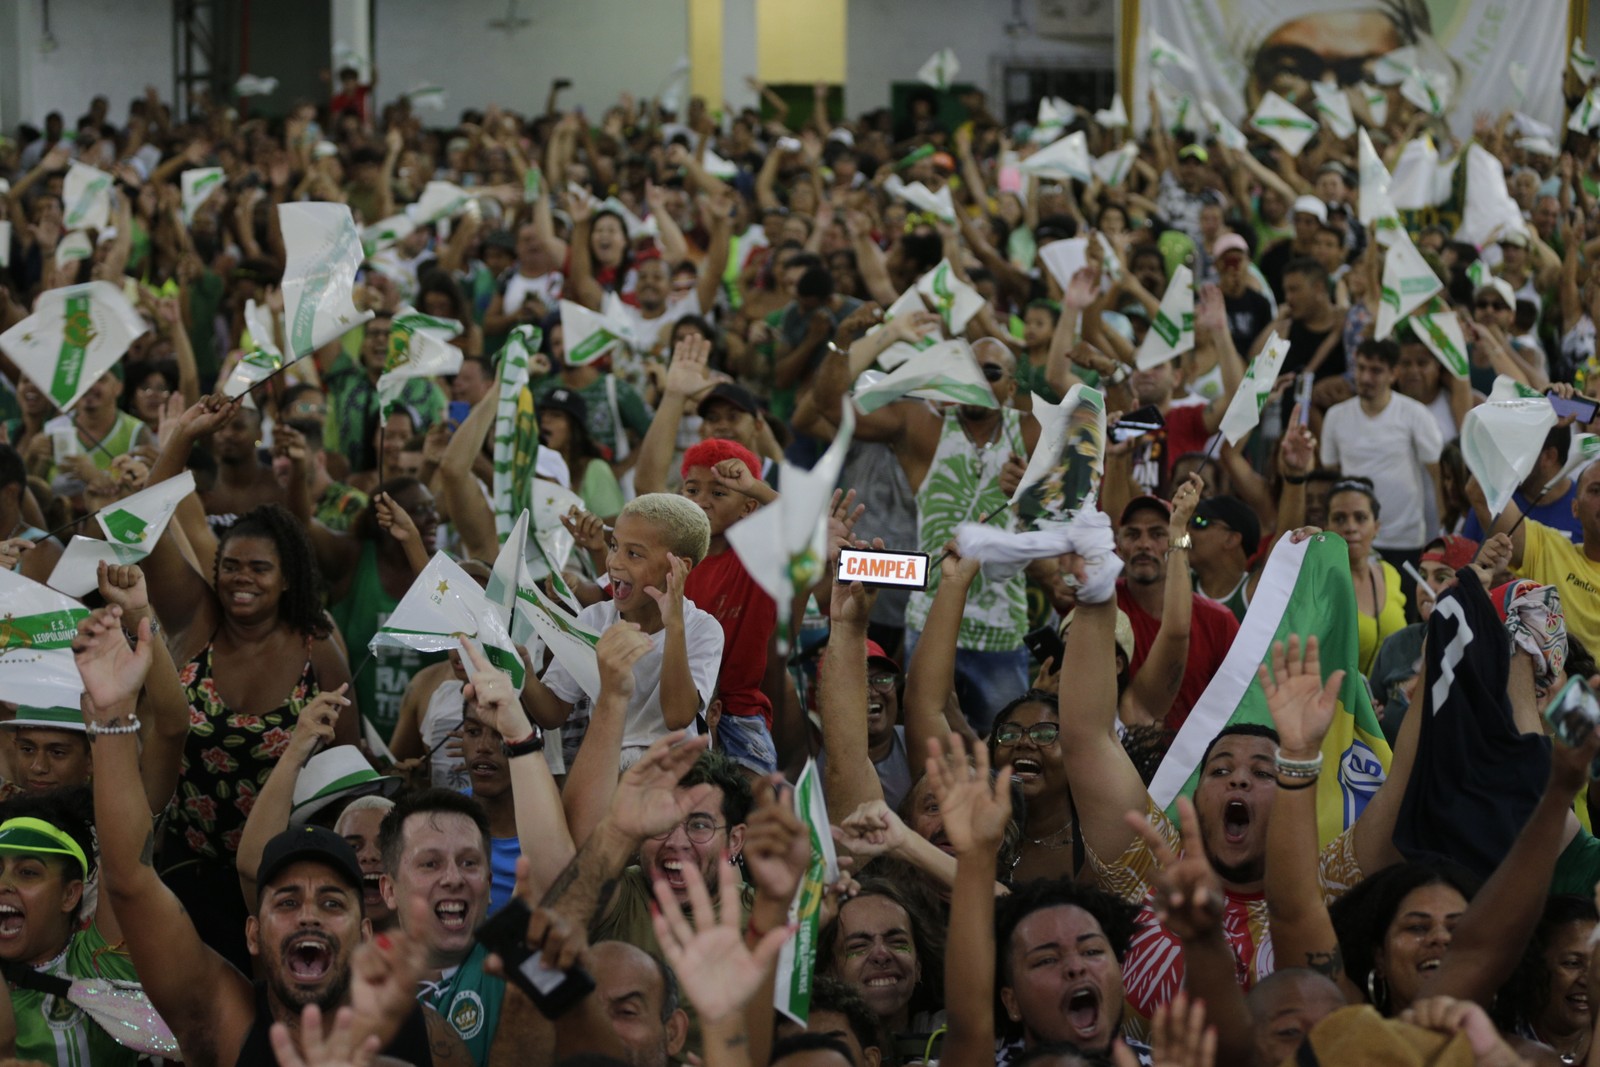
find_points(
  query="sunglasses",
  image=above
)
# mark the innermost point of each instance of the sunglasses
(1040, 733)
(1200, 522)
(994, 372)
(1489, 305)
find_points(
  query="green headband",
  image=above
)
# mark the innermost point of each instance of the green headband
(38, 836)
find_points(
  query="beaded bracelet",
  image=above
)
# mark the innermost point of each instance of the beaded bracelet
(96, 729)
(1297, 768)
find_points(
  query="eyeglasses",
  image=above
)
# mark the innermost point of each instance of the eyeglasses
(1489, 305)
(994, 372)
(699, 829)
(1040, 733)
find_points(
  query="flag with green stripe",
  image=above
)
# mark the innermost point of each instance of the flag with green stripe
(37, 626)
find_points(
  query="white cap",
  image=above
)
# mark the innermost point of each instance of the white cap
(338, 773)
(1502, 289)
(1310, 205)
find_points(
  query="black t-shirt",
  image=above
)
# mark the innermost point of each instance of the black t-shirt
(1303, 345)
(1248, 314)
(1273, 260)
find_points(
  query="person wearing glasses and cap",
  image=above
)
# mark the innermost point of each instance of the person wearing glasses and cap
(1494, 317)
(1225, 534)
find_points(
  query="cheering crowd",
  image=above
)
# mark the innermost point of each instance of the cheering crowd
(1081, 804)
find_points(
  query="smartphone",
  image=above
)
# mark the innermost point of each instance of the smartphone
(458, 411)
(1302, 396)
(1137, 423)
(903, 570)
(1581, 406)
(1045, 644)
(553, 992)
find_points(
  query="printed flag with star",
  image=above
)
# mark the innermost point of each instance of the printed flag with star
(419, 347)
(791, 993)
(264, 358)
(37, 626)
(516, 430)
(1244, 412)
(322, 249)
(75, 334)
(530, 613)
(85, 198)
(1172, 332)
(132, 527)
(443, 605)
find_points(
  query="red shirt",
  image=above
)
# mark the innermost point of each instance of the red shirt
(720, 585)
(1210, 634)
(1154, 453)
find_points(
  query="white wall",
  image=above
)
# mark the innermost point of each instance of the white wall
(890, 39)
(110, 47)
(604, 46)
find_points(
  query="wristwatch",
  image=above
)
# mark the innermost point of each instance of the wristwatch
(1183, 543)
(534, 742)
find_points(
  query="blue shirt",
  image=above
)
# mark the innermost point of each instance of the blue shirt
(1558, 516)
(503, 853)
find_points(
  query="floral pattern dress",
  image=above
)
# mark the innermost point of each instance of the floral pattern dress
(227, 758)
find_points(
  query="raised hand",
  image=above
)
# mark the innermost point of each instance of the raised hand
(1179, 1036)
(736, 476)
(313, 727)
(384, 973)
(975, 806)
(1184, 501)
(1187, 893)
(1082, 288)
(1011, 475)
(1301, 703)
(1210, 314)
(343, 1046)
(394, 518)
(687, 374)
(914, 327)
(647, 800)
(954, 567)
(777, 845)
(843, 514)
(1494, 557)
(1048, 680)
(588, 531)
(12, 551)
(1446, 1015)
(670, 601)
(621, 646)
(112, 672)
(491, 688)
(718, 971)
(124, 587)
(872, 830)
(1297, 455)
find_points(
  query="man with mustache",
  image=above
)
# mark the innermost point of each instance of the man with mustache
(304, 931)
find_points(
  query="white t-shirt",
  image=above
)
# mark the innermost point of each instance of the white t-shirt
(648, 333)
(702, 635)
(1391, 448)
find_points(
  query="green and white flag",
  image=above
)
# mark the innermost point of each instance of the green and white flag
(132, 527)
(443, 605)
(784, 545)
(1586, 116)
(323, 252)
(1501, 438)
(385, 233)
(1113, 167)
(254, 85)
(263, 360)
(588, 335)
(512, 586)
(1408, 283)
(1172, 332)
(1489, 212)
(419, 347)
(1333, 109)
(1306, 589)
(1429, 90)
(1440, 330)
(516, 430)
(948, 372)
(1114, 117)
(1163, 53)
(1064, 472)
(37, 626)
(1054, 116)
(439, 200)
(74, 335)
(85, 198)
(552, 544)
(909, 302)
(1286, 124)
(199, 184)
(1374, 208)
(428, 98)
(1582, 64)
(923, 199)
(1377, 102)
(1244, 412)
(954, 300)
(940, 70)
(791, 993)
(72, 248)
(718, 167)
(1066, 158)
(1225, 132)
(1584, 450)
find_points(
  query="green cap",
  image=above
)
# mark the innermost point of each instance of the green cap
(47, 719)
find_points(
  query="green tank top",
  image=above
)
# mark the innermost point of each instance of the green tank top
(380, 684)
(469, 1001)
(53, 1031)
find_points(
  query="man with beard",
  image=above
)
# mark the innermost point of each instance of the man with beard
(304, 931)
(1233, 801)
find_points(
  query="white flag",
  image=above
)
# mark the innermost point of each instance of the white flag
(589, 335)
(1064, 471)
(443, 605)
(1441, 332)
(571, 642)
(72, 248)
(1066, 158)
(36, 632)
(1172, 332)
(1373, 204)
(1113, 167)
(263, 360)
(1244, 412)
(1420, 180)
(1333, 108)
(948, 372)
(132, 527)
(255, 85)
(1408, 283)
(940, 70)
(1284, 123)
(954, 300)
(791, 991)
(1501, 439)
(1225, 132)
(508, 576)
(1584, 450)
(1065, 258)
(1582, 65)
(323, 251)
(1054, 116)
(439, 200)
(428, 98)
(784, 546)
(199, 184)
(1586, 116)
(1377, 102)
(419, 347)
(1489, 209)
(718, 167)
(1115, 116)
(85, 198)
(74, 335)
(908, 303)
(1164, 54)
(516, 431)
(386, 232)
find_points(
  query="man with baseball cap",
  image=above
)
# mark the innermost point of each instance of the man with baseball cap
(1309, 215)
(304, 931)
(1226, 534)
(886, 735)
(1249, 312)
(1494, 308)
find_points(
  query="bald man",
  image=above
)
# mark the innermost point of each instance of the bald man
(1285, 1005)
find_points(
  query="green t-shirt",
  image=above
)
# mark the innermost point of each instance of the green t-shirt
(380, 685)
(53, 1031)
(469, 1001)
(205, 300)
(598, 420)
(1577, 868)
(353, 403)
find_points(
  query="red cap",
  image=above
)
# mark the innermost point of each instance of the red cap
(1455, 551)
(875, 651)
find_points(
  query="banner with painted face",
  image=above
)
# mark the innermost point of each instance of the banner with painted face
(1457, 54)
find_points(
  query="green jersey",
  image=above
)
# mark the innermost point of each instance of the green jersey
(53, 1031)
(469, 1001)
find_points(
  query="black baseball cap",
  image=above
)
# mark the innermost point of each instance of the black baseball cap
(568, 403)
(1144, 503)
(737, 395)
(316, 843)
(502, 239)
(1236, 515)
